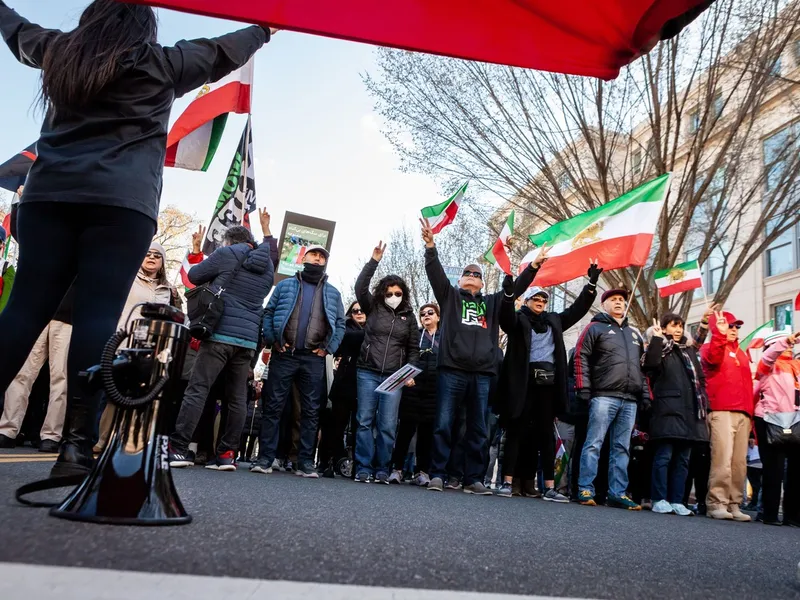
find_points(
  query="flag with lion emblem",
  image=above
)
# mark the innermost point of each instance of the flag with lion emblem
(680, 278)
(618, 234)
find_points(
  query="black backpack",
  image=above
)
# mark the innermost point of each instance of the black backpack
(205, 307)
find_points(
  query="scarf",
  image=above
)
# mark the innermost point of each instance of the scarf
(700, 398)
(539, 323)
(312, 273)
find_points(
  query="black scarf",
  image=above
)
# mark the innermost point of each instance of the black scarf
(312, 273)
(539, 323)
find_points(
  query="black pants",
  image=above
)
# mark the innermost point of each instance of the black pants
(754, 477)
(534, 425)
(333, 424)
(601, 481)
(699, 470)
(103, 247)
(781, 466)
(212, 359)
(405, 432)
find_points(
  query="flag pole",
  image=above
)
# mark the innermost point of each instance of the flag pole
(633, 292)
(703, 287)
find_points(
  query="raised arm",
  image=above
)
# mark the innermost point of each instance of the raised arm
(28, 42)
(197, 62)
(364, 278)
(771, 354)
(440, 284)
(508, 313)
(652, 357)
(584, 301)
(713, 353)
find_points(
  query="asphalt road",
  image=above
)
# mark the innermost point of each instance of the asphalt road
(283, 527)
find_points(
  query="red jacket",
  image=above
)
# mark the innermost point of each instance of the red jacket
(729, 382)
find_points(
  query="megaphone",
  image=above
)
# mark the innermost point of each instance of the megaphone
(131, 483)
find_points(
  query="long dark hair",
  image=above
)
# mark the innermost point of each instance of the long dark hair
(379, 293)
(78, 64)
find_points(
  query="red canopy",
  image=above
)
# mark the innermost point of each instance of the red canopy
(581, 37)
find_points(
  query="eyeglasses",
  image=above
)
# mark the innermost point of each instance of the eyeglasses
(357, 311)
(396, 294)
(427, 313)
(151, 254)
(475, 274)
(540, 299)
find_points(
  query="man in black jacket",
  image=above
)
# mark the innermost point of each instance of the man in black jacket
(608, 373)
(467, 362)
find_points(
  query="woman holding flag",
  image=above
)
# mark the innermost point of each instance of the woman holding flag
(92, 195)
(533, 378)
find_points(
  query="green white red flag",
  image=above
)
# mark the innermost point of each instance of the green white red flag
(680, 278)
(195, 136)
(189, 261)
(442, 214)
(618, 234)
(755, 340)
(499, 254)
(561, 461)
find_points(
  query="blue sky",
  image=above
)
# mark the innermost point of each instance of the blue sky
(318, 147)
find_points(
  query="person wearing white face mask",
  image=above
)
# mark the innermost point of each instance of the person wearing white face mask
(391, 340)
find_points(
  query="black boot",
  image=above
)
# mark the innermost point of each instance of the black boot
(75, 456)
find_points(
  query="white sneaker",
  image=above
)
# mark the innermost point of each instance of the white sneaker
(681, 510)
(396, 477)
(663, 507)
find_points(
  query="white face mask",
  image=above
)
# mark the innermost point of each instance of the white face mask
(394, 302)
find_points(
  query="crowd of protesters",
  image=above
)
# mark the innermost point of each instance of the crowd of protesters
(647, 417)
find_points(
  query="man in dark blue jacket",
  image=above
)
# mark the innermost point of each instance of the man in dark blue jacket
(233, 343)
(304, 322)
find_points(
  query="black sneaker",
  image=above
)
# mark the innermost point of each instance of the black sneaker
(288, 466)
(7, 442)
(49, 447)
(223, 462)
(504, 491)
(201, 459)
(307, 471)
(453, 483)
(181, 460)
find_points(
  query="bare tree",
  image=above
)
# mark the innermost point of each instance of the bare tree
(175, 229)
(553, 146)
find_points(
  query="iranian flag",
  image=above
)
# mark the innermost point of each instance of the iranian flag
(441, 215)
(755, 340)
(680, 278)
(189, 261)
(498, 254)
(618, 234)
(196, 134)
(561, 461)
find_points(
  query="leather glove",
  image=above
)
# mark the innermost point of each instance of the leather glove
(594, 273)
(508, 285)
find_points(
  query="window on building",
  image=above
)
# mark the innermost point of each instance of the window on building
(775, 71)
(712, 271)
(782, 314)
(563, 181)
(694, 121)
(558, 299)
(718, 104)
(636, 161)
(692, 329)
(779, 150)
(796, 51)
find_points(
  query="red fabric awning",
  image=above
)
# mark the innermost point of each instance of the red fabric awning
(580, 37)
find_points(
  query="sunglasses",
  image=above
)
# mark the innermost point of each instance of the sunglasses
(539, 299)
(427, 313)
(734, 326)
(475, 274)
(396, 294)
(153, 255)
(356, 311)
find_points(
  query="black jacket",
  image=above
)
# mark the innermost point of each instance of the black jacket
(345, 386)
(470, 324)
(391, 336)
(608, 360)
(419, 402)
(674, 408)
(112, 151)
(513, 389)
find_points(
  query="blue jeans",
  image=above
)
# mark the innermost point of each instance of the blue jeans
(377, 424)
(618, 416)
(453, 389)
(670, 468)
(285, 368)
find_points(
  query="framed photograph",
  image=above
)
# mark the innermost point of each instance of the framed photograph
(298, 233)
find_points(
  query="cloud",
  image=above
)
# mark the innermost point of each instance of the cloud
(371, 133)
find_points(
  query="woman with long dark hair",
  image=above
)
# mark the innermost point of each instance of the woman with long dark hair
(92, 197)
(391, 340)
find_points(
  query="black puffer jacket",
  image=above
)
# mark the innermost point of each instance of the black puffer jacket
(419, 402)
(676, 412)
(391, 336)
(344, 388)
(111, 152)
(608, 360)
